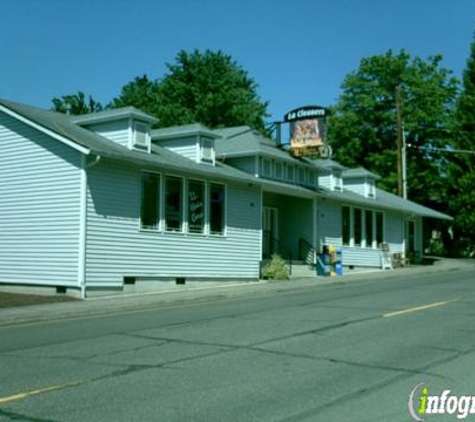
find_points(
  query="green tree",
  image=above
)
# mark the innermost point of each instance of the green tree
(76, 104)
(141, 93)
(462, 166)
(206, 87)
(362, 130)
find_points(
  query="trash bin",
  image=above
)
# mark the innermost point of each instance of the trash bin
(323, 264)
(339, 261)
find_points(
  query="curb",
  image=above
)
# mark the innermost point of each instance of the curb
(137, 302)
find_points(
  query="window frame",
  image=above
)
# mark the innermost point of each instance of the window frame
(187, 205)
(225, 210)
(159, 226)
(147, 134)
(212, 158)
(183, 194)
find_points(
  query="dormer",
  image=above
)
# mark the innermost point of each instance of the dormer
(330, 174)
(127, 126)
(361, 181)
(194, 141)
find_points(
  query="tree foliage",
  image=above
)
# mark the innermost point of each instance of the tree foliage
(209, 88)
(462, 166)
(76, 104)
(362, 130)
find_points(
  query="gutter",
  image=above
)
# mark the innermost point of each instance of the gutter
(83, 223)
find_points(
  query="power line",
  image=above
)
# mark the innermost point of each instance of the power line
(453, 151)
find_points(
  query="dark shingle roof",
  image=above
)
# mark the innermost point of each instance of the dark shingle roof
(248, 141)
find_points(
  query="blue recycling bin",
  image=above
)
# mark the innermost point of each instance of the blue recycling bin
(339, 261)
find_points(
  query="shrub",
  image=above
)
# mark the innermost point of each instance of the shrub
(275, 269)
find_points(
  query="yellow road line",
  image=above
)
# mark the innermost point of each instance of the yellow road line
(26, 394)
(417, 309)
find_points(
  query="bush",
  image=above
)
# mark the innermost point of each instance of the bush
(275, 269)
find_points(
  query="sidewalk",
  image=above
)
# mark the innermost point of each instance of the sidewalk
(108, 305)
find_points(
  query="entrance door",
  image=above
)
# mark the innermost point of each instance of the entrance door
(270, 231)
(411, 237)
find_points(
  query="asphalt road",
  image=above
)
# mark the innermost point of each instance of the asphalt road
(349, 352)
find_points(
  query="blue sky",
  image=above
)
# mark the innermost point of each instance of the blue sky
(297, 51)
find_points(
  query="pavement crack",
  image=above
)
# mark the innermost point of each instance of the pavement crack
(13, 416)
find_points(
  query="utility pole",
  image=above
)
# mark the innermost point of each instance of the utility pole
(399, 141)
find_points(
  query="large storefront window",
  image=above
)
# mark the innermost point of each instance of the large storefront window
(369, 228)
(361, 227)
(379, 228)
(345, 223)
(357, 223)
(196, 208)
(217, 209)
(173, 203)
(150, 201)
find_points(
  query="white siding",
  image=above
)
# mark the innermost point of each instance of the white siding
(39, 207)
(118, 131)
(117, 248)
(325, 180)
(357, 185)
(361, 257)
(187, 147)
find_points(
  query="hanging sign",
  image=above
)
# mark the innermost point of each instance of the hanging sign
(307, 132)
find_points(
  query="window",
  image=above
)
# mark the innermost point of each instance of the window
(217, 208)
(141, 135)
(379, 228)
(371, 189)
(345, 224)
(291, 173)
(173, 203)
(301, 175)
(266, 167)
(369, 228)
(150, 201)
(337, 181)
(196, 210)
(278, 170)
(357, 223)
(207, 150)
(311, 178)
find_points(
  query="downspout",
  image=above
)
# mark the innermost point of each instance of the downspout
(315, 229)
(83, 223)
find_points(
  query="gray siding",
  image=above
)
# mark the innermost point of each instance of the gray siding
(394, 227)
(117, 131)
(117, 248)
(295, 217)
(187, 147)
(39, 212)
(247, 164)
(329, 223)
(330, 233)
